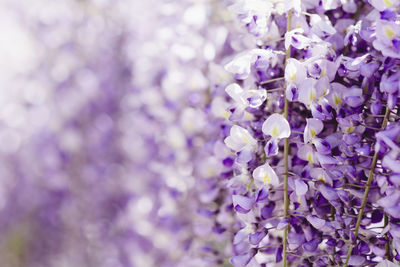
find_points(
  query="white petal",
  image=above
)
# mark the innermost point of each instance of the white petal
(265, 175)
(276, 126)
(313, 127)
(295, 71)
(242, 134)
(232, 144)
(306, 152)
(254, 98)
(301, 187)
(241, 65)
(234, 91)
(239, 139)
(307, 91)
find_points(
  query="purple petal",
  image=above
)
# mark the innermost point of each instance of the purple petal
(266, 211)
(394, 211)
(271, 148)
(327, 161)
(282, 224)
(301, 187)
(262, 195)
(328, 192)
(311, 245)
(395, 179)
(331, 242)
(322, 146)
(367, 70)
(388, 14)
(356, 260)
(256, 238)
(354, 101)
(240, 236)
(316, 222)
(390, 200)
(386, 263)
(243, 260)
(392, 100)
(278, 256)
(351, 139)
(242, 204)
(292, 92)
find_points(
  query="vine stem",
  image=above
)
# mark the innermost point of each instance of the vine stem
(368, 186)
(286, 153)
(272, 80)
(387, 245)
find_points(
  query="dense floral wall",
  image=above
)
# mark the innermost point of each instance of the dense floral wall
(199, 133)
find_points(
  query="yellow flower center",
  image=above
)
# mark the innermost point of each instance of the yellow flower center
(313, 133)
(210, 172)
(389, 33)
(266, 179)
(337, 100)
(226, 114)
(312, 96)
(309, 158)
(321, 178)
(388, 3)
(275, 132)
(248, 116)
(350, 129)
(292, 77)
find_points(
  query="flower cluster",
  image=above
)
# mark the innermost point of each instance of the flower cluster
(315, 133)
(109, 152)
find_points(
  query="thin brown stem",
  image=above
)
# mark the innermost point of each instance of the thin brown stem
(286, 155)
(272, 80)
(367, 188)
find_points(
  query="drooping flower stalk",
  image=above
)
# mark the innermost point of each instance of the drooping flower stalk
(367, 188)
(286, 154)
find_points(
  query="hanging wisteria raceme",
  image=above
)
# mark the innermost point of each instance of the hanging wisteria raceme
(111, 153)
(315, 132)
(181, 93)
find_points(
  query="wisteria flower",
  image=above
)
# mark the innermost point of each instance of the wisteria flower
(241, 65)
(242, 204)
(296, 39)
(387, 38)
(295, 72)
(264, 175)
(246, 98)
(277, 127)
(240, 139)
(307, 153)
(253, 13)
(313, 128)
(381, 5)
(309, 92)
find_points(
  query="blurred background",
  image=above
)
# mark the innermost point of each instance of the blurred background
(106, 132)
